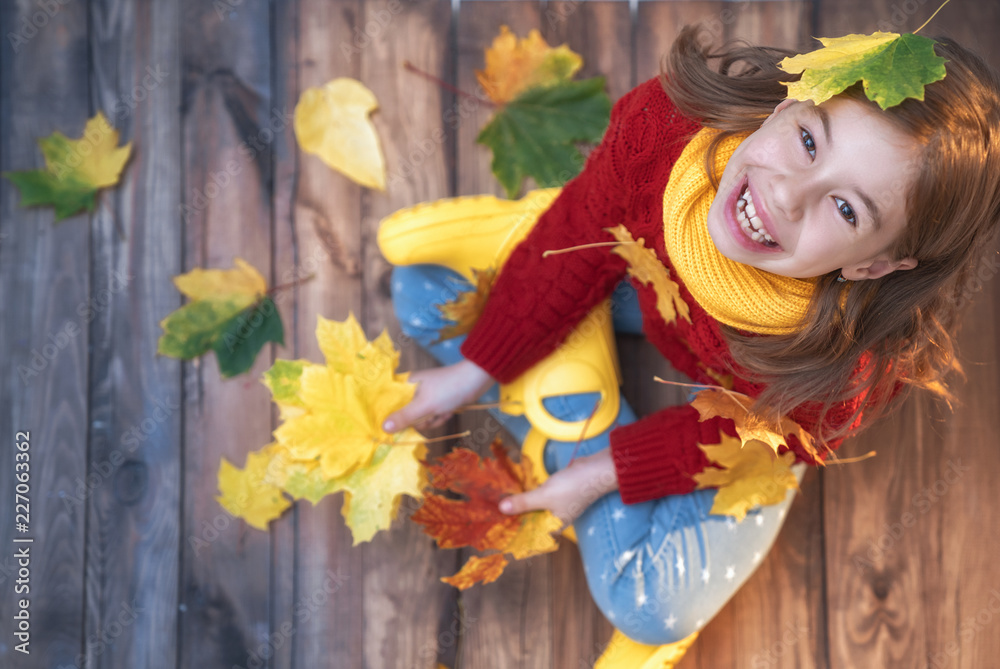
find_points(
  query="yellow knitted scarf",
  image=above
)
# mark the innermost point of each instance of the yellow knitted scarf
(732, 293)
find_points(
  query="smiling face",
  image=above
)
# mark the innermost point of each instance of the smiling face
(817, 189)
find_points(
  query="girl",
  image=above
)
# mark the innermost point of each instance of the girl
(819, 251)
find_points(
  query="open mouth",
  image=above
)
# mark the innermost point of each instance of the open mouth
(752, 226)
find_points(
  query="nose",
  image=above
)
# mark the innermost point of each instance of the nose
(788, 196)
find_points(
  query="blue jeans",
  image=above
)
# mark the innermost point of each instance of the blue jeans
(658, 570)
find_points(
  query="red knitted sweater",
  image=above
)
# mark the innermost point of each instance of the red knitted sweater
(535, 302)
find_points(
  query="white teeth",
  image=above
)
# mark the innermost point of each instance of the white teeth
(749, 221)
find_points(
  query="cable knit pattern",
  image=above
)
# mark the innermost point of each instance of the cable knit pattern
(536, 302)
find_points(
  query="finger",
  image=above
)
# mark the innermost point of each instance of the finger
(410, 415)
(521, 503)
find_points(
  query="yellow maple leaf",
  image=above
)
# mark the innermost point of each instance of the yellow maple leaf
(247, 494)
(513, 66)
(466, 308)
(372, 493)
(478, 570)
(242, 286)
(753, 475)
(332, 122)
(75, 169)
(644, 266)
(713, 402)
(534, 537)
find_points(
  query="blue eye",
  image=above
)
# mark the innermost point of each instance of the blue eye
(808, 142)
(847, 211)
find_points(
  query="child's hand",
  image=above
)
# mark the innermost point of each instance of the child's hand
(439, 392)
(569, 491)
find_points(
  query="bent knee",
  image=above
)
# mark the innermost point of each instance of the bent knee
(656, 625)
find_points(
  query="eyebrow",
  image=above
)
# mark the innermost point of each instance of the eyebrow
(876, 216)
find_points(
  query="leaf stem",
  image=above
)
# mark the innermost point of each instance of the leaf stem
(432, 440)
(845, 461)
(291, 284)
(445, 85)
(928, 21)
(492, 405)
(586, 425)
(552, 252)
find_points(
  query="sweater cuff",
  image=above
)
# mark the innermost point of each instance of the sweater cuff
(658, 455)
(503, 346)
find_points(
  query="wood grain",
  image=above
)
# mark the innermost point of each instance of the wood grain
(133, 515)
(320, 234)
(409, 614)
(227, 134)
(45, 274)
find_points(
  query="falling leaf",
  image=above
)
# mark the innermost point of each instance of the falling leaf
(542, 114)
(476, 520)
(752, 475)
(332, 122)
(714, 402)
(644, 266)
(478, 570)
(245, 493)
(514, 66)
(229, 313)
(466, 308)
(893, 67)
(75, 169)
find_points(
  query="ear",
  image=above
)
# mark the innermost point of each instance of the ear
(784, 104)
(877, 268)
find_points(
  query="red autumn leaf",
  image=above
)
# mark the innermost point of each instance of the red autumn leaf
(476, 520)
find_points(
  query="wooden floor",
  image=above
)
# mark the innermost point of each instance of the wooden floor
(134, 563)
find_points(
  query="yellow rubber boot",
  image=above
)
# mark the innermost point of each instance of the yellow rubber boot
(624, 653)
(477, 232)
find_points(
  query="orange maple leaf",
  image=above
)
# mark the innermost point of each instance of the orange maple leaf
(644, 266)
(714, 402)
(466, 308)
(477, 520)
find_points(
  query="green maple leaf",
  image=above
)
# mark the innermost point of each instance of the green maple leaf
(536, 133)
(75, 169)
(892, 67)
(229, 313)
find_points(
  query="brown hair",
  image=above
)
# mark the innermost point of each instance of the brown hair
(902, 325)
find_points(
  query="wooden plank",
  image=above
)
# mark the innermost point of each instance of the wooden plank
(228, 125)
(509, 621)
(44, 270)
(318, 231)
(284, 94)
(133, 513)
(410, 617)
(911, 565)
(601, 33)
